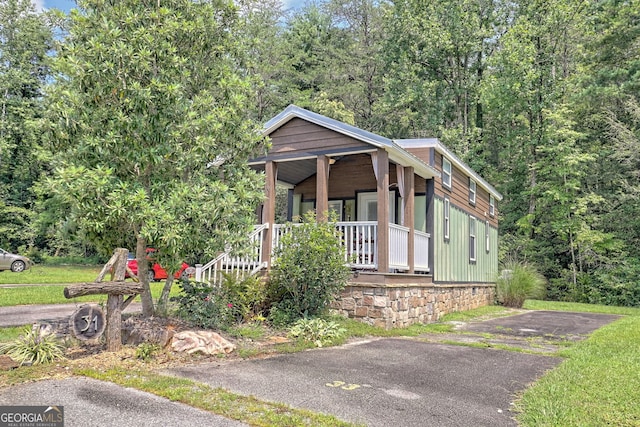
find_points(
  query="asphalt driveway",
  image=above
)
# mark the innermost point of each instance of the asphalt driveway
(382, 382)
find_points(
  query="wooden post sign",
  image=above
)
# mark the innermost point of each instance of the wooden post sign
(86, 321)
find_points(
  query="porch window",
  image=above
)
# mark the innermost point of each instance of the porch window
(472, 239)
(487, 240)
(447, 218)
(492, 205)
(446, 172)
(472, 191)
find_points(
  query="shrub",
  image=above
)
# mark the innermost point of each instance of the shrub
(146, 351)
(219, 307)
(309, 270)
(317, 331)
(34, 348)
(518, 282)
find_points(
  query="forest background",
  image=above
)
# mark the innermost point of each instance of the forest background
(540, 97)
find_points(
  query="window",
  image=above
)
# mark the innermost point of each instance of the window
(446, 172)
(446, 216)
(487, 239)
(472, 191)
(472, 239)
(492, 206)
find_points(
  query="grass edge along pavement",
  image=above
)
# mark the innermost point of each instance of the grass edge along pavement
(598, 383)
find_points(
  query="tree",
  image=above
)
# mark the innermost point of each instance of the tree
(25, 40)
(150, 130)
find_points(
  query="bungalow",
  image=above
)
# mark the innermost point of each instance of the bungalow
(419, 226)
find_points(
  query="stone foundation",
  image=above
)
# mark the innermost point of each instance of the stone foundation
(398, 306)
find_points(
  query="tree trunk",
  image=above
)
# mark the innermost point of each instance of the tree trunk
(164, 297)
(143, 276)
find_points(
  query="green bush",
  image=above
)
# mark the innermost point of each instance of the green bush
(518, 282)
(309, 270)
(220, 307)
(34, 348)
(318, 331)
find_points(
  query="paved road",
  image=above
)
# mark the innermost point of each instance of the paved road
(381, 382)
(27, 314)
(91, 403)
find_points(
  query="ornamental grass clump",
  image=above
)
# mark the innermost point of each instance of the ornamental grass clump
(34, 348)
(518, 282)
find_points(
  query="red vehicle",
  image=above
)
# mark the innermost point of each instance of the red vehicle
(156, 271)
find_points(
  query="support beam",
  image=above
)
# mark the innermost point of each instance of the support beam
(408, 200)
(322, 188)
(269, 209)
(382, 245)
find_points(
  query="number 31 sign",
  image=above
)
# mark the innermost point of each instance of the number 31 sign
(88, 322)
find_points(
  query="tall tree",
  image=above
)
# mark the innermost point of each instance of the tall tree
(25, 40)
(149, 126)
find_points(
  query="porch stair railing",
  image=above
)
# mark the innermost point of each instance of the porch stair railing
(236, 265)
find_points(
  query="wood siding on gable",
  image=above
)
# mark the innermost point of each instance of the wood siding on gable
(451, 257)
(299, 136)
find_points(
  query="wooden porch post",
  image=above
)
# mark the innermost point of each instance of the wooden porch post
(322, 187)
(408, 200)
(382, 244)
(269, 209)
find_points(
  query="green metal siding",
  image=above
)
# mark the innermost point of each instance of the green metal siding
(451, 258)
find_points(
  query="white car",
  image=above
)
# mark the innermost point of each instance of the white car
(15, 263)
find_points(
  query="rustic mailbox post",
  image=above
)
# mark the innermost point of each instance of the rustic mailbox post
(115, 289)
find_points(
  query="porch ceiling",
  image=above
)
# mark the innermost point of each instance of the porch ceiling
(293, 172)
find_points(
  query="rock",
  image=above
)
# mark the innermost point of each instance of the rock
(136, 331)
(201, 341)
(7, 363)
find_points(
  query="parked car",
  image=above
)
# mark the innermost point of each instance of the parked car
(156, 271)
(15, 263)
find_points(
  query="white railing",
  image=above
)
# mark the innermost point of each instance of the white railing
(226, 263)
(359, 241)
(398, 247)
(421, 251)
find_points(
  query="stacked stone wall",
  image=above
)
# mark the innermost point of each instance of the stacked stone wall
(399, 306)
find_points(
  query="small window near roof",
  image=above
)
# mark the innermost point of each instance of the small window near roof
(446, 172)
(492, 206)
(472, 191)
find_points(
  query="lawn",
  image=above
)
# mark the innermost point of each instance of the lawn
(51, 281)
(599, 382)
(54, 274)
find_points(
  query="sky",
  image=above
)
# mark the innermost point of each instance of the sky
(66, 5)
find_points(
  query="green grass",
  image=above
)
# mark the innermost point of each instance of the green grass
(54, 294)
(579, 307)
(44, 274)
(599, 382)
(11, 333)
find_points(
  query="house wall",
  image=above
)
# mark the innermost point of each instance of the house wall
(452, 263)
(398, 305)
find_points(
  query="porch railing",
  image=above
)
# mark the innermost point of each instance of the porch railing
(398, 247)
(421, 251)
(249, 263)
(358, 240)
